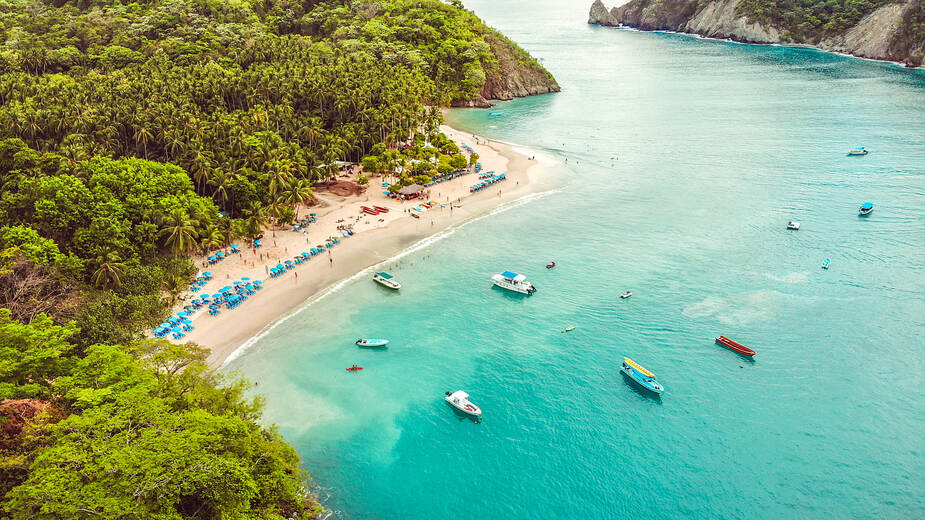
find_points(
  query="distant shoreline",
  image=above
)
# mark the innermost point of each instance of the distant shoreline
(807, 46)
(372, 244)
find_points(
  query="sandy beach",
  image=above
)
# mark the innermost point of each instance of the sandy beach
(376, 239)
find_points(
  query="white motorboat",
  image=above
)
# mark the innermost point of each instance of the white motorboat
(826, 263)
(793, 225)
(858, 151)
(626, 295)
(372, 342)
(513, 282)
(386, 280)
(460, 401)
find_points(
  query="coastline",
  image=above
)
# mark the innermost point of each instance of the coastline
(900, 64)
(374, 242)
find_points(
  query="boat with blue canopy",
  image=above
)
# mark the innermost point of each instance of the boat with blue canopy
(860, 150)
(386, 280)
(866, 208)
(640, 375)
(513, 282)
(372, 342)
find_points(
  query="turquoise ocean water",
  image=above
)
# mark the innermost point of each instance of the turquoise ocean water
(686, 158)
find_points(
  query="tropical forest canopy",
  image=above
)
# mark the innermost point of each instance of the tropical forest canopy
(132, 133)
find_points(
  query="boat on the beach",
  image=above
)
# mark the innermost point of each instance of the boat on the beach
(460, 401)
(354, 368)
(858, 151)
(387, 280)
(825, 263)
(380, 209)
(372, 342)
(866, 208)
(368, 210)
(794, 225)
(550, 265)
(641, 376)
(626, 295)
(733, 345)
(513, 282)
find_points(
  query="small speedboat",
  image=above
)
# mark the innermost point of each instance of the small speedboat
(372, 342)
(495, 114)
(732, 345)
(387, 280)
(858, 151)
(354, 368)
(569, 329)
(866, 208)
(513, 282)
(626, 295)
(550, 265)
(794, 225)
(825, 263)
(641, 376)
(460, 401)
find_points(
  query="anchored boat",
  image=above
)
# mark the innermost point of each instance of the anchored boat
(372, 342)
(626, 295)
(825, 263)
(513, 282)
(794, 225)
(387, 280)
(858, 151)
(866, 208)
(460, 401)
(732, 345)
(641, 376)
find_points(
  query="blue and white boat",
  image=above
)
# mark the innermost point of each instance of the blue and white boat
(858, 151)
(372, 342)
(641, 376)
(866, 208)
(825, 263)
(513, 282)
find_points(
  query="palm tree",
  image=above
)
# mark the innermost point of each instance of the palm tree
(179, 231)
(256, 219)
(109, 269)
(299, 192)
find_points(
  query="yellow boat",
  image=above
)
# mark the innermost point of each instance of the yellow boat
(640, 375)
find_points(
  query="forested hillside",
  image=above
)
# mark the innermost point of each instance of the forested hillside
(132, 133)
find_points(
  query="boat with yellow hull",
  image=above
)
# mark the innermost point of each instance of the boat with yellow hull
(641, 376)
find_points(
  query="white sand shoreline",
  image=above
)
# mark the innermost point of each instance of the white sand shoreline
(373, 243)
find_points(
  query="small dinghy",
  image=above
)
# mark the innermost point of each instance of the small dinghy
(858, 151)
(794, 225)
(866, 208)
(733, 345)
(568, 329)
(550, 265)
(372, 342)
(626, 295)
(354, 368)
(460, 401)
(825, 263)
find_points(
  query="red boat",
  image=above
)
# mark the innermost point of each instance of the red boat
(550, 265)
(732, 345)
(380, 209)
(369, 211)
(354, 368)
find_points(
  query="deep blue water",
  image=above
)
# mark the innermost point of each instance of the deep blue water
(685, 159)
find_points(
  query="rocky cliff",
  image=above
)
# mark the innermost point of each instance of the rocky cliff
(887, 30)
(516, 74)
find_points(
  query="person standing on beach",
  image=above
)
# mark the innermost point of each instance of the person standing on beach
(331, 260)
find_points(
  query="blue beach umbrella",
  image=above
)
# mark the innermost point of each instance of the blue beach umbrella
(220, 254)
(258, 282)
(223, 290)
(246, 279)
(280, 266)
(207, 273)
(185, 321)
(234, 245)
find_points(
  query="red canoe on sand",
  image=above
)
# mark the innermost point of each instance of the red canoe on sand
(380, 209)
(732, 345)
(370, 211)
